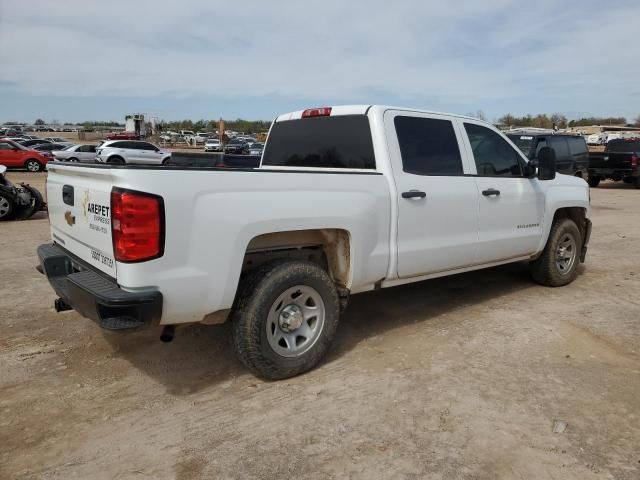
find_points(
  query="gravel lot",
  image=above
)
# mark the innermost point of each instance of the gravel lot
(463, 377)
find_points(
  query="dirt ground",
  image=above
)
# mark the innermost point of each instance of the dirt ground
(463, 377)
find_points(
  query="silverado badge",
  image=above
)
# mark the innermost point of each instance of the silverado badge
(71, 219)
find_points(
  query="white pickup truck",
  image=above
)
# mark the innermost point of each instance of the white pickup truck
(346, 199)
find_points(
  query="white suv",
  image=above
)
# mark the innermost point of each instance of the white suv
(131, 151)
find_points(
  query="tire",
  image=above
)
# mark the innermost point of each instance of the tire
(24, 212)
(564, 239)
(594, 181)
(637, 182)
(72, 159)
(166, 161)
(116, 160)
(628, 180)
(6, 207)
(33, 165)
(267, 301)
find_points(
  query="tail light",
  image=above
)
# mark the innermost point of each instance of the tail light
(317, 112)
(634, 160)
(137, 225)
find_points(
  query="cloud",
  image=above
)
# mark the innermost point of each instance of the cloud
(494, 52)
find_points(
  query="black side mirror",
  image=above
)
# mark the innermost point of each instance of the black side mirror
(546, 164)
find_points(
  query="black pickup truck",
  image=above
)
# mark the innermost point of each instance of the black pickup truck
(619, 161)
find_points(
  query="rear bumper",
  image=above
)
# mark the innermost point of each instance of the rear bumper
(94, 295)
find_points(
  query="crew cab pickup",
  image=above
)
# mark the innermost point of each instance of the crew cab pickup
(346, 199)
(618, 162)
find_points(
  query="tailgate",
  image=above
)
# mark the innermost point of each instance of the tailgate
(79, 202)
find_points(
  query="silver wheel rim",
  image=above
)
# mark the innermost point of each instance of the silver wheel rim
(566, 254)
(295, 321)
(33, 166)
(4, 207)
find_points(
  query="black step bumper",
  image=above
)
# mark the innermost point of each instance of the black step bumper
(95, 295)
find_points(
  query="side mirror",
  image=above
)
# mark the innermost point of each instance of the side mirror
(546, 164)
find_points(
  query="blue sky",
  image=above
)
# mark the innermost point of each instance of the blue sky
(77, 60)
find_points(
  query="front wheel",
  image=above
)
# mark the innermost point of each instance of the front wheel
(285, 319)
(594, 181)
(558, 264)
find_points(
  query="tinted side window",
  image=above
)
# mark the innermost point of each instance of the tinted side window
(321, 142)
(577, 145)
(560, 146)
(118, 145)
(5, 146)
(146, 146)
(428, 146)
(493, 155)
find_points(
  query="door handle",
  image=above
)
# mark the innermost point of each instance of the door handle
(491, 191)
(413, 194)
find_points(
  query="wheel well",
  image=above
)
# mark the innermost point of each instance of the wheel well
(577, 214)
(328, 247)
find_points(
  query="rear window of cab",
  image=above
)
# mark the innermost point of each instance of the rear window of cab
(321, 142)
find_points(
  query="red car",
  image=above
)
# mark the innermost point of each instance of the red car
(14, 155)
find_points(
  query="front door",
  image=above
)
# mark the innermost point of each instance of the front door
(511, 206)
(437, 226)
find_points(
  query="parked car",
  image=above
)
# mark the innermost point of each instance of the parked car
(255, 148)
(50, 147)
(31, 143)
(236, 146)
(596, 139)
(438, 195)
(76, 153)
(17, 201)
(59, 140)
(14, 155)
(619, 161)
(612, 136)
(124, 136)
(213, 145)
(120, 152)
(572, 153)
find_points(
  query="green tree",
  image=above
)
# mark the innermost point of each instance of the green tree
(39, 121)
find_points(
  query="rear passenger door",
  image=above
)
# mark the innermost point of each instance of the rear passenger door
(511, 205)
(437, 225)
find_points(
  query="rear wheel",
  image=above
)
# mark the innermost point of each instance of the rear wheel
(33, 165)
(285, 319)
(6, 207)
(72, 159)
(594, 181)
(558, 264)
(637, 182)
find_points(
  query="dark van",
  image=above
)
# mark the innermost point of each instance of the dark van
(572, 153)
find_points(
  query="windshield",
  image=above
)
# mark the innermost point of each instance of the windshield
(523, 142)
